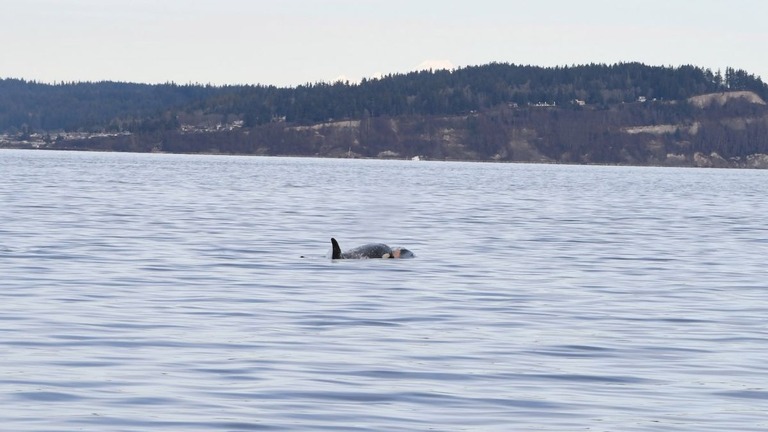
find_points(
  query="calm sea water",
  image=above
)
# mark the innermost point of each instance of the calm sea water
(193, 293)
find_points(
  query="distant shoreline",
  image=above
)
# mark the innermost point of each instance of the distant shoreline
(622, 114)
(760, 165)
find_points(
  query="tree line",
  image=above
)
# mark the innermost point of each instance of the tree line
(27, 106)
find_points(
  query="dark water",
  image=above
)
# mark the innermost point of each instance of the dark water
(164, 292)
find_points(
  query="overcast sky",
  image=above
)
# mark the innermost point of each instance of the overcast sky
(291, 42)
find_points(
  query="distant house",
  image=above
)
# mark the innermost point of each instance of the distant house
(641, 99)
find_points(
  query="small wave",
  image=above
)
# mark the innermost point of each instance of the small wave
(47, 396)
(745, 394)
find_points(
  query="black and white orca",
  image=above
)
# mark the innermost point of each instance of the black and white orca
(371, 250)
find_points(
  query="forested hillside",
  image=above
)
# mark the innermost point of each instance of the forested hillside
(621, 113)
(124, 106)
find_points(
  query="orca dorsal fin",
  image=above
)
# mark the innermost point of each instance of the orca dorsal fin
(336, 249)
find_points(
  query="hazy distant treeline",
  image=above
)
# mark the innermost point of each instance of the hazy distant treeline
(27, 107)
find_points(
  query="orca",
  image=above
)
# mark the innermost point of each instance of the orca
(370, 250)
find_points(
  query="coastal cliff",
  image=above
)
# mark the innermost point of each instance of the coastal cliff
(720, 130)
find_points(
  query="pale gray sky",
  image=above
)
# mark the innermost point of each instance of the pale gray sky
(291, 42)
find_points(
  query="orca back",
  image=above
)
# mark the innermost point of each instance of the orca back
(370, 250)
